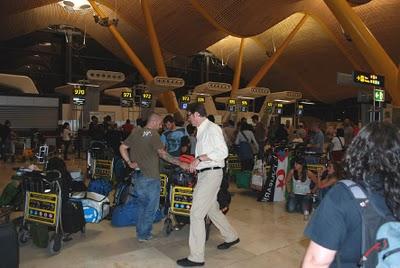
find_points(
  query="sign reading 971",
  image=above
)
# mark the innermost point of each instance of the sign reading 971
(79, 91)
(126, 95)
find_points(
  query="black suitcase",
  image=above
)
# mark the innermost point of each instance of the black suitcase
(73, 219)
(9, 250)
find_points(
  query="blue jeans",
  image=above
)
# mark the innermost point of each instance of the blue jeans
(147, 192)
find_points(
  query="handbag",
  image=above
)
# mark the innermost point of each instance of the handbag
(254, 147)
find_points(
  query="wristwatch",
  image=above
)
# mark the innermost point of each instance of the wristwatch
(198, 158)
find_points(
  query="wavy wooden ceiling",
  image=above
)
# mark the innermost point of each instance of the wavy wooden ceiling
(309, 64)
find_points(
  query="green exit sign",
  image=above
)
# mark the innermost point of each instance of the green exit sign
(379, 95)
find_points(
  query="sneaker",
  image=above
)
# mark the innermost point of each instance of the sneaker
(227, 245)
(188, 263)
(145, 239)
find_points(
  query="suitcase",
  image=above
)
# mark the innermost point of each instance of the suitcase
(9, 250)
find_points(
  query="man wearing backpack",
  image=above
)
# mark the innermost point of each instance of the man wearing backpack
(357, 223)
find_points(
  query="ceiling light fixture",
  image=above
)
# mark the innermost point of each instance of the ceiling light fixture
(307, 102)
(45, 44)
(75, 5)
(285, 101)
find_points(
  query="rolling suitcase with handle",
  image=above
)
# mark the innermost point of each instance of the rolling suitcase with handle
(9, 250)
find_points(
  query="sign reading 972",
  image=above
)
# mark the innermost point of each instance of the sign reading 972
(79, 91)
(185, 99)
(147, 96)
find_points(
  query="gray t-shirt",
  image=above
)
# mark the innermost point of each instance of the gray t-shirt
(144, 144)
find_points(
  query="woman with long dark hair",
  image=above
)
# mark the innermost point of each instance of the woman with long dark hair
(298, 183)
(372, 161)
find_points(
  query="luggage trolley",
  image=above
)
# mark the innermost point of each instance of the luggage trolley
(43, 202)
(100, 161)
(180, 201)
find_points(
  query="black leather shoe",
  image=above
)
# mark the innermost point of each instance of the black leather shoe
(188, 263)
(227, 245)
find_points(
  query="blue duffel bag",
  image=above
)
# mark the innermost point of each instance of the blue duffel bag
(127, 214)
(100, 186)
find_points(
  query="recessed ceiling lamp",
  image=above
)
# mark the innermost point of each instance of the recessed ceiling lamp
(285, 101)
(307, 102)
(45, 44)
(75, 5)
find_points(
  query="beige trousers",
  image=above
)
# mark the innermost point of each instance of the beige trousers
(205, 203)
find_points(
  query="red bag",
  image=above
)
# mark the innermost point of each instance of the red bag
(186, 158)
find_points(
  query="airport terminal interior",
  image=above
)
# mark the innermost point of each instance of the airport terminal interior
(78, 76)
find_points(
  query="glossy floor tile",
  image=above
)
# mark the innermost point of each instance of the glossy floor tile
(269, 236)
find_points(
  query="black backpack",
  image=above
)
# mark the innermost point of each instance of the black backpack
(381, 233)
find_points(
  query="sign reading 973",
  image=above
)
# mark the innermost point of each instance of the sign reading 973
(201, 99)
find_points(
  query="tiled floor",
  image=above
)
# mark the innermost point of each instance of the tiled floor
(269, 236)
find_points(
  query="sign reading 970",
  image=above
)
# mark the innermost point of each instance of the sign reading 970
(231, 102)
(79, 91)
(147, 96)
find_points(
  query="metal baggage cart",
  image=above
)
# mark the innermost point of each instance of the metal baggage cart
(43, 202)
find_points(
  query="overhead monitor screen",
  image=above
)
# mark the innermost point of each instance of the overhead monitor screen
(183, 105)
(78, 101)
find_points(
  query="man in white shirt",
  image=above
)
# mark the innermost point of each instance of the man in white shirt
(211, 150)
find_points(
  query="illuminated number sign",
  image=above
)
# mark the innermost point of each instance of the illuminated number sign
(147, 96)
(379, 95)
(127, 95)
(185, 99)
(368, 79)
(201, 99)
(231, 102)
(79, 91)
(269, 104)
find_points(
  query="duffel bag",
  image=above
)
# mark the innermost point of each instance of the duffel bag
(100, 186)
(95, 206)
(127, 214)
